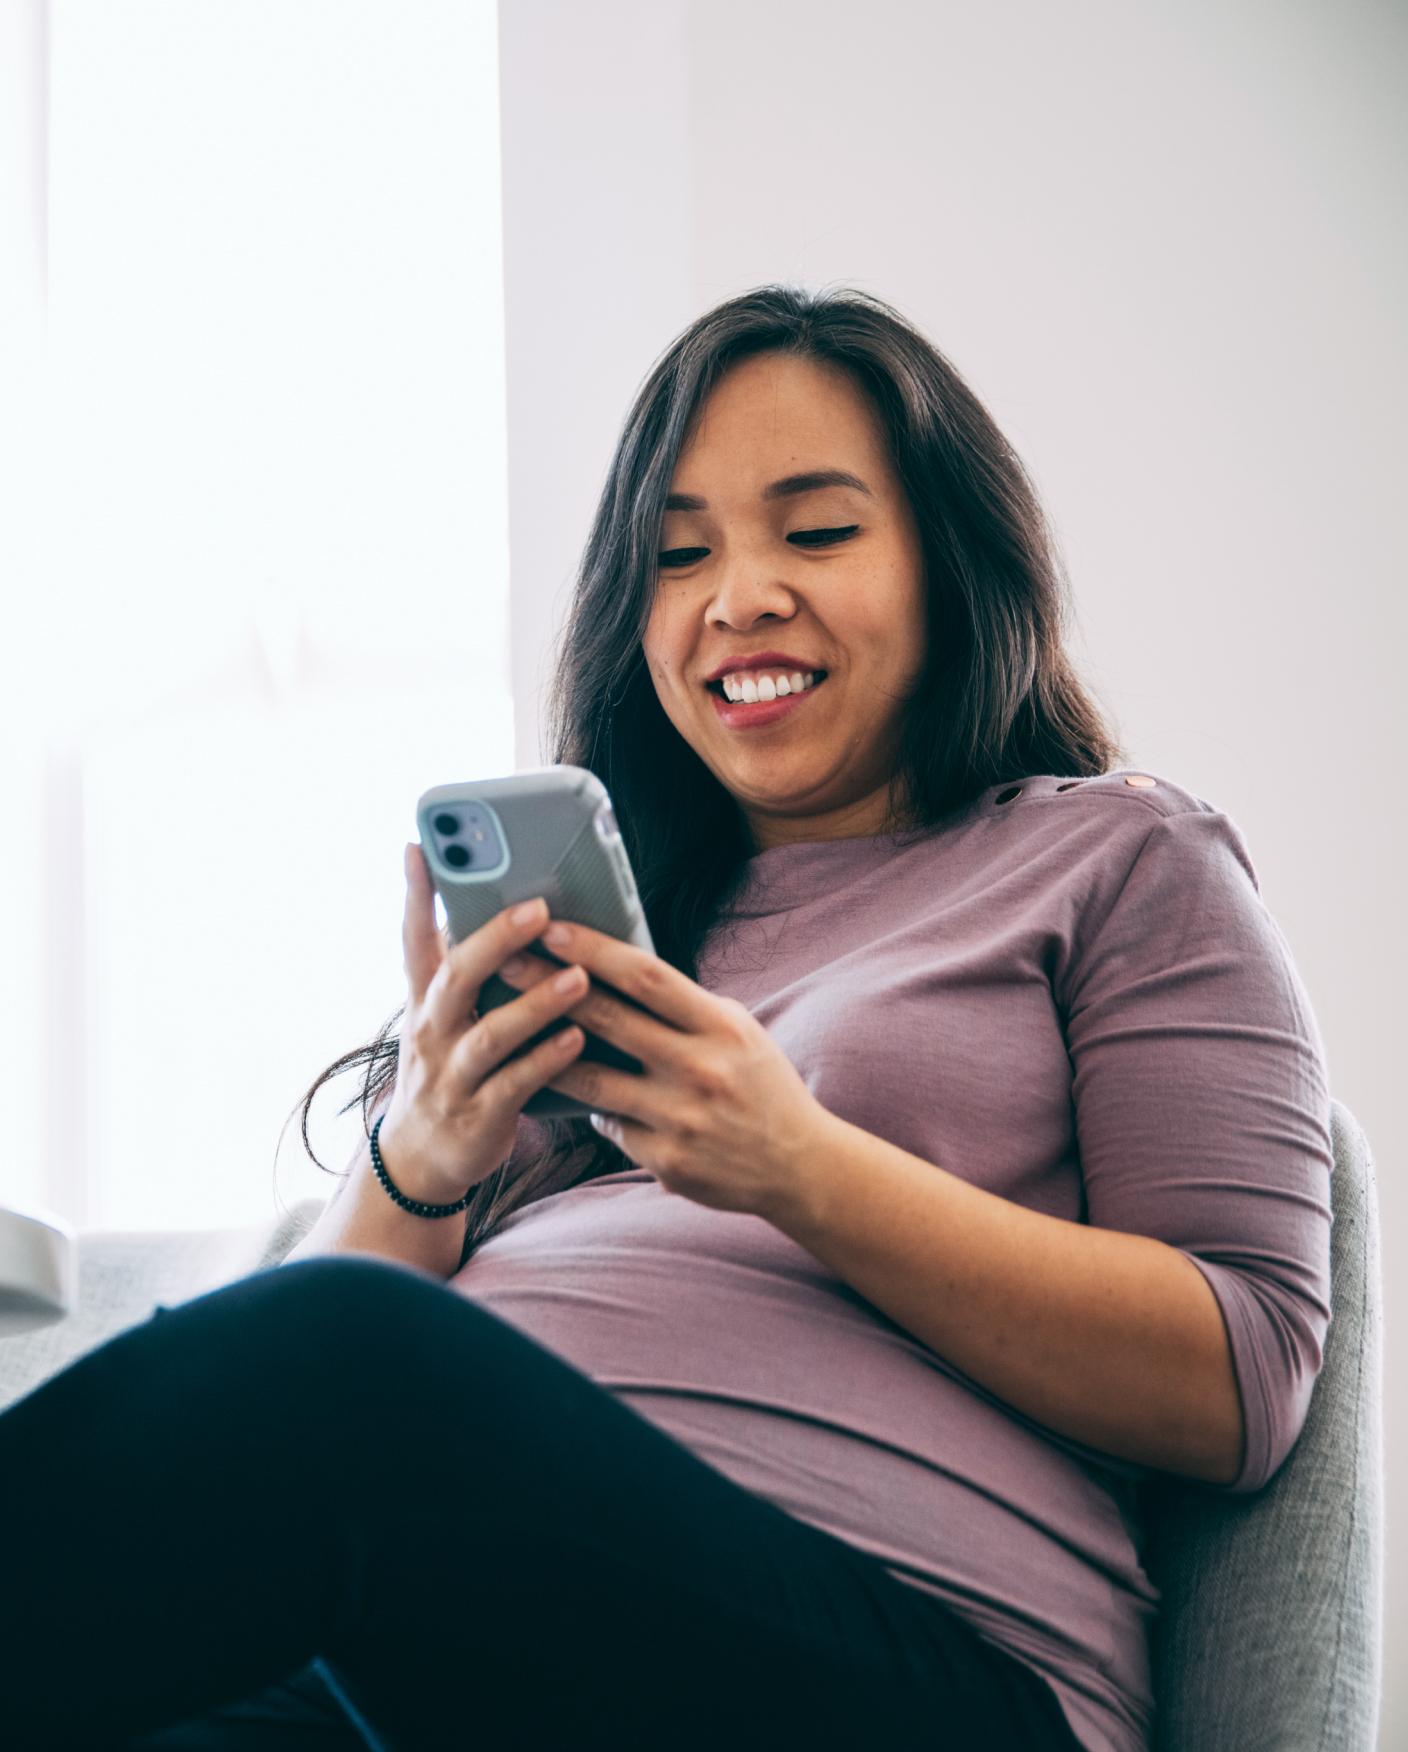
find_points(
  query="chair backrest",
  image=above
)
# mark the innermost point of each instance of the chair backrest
(1269, 1633)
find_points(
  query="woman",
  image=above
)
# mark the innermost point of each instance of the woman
(978, 1169)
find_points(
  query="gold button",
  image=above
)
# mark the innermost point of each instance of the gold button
(1140, 779)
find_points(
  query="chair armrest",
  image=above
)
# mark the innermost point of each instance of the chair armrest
(124, 1274)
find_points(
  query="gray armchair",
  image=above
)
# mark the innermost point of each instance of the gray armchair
(1269, 1638)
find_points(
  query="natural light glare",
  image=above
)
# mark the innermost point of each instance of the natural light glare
(279, 544)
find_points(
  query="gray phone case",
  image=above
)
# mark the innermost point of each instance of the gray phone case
(551, 831)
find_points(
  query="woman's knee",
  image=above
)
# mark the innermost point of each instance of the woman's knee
(350, 1275)
(377, 1348)
(329, 1319)
(349, 1296)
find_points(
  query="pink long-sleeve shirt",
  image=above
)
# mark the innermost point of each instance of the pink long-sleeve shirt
(1071, 994)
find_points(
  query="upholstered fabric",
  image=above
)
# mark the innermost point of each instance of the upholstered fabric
(1269, 1635)
(1270, 1627)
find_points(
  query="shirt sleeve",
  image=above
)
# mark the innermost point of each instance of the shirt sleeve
(1202, 1108)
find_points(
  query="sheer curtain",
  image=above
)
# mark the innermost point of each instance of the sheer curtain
(274, 582)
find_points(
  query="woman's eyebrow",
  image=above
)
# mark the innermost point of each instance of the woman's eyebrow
(789, 485)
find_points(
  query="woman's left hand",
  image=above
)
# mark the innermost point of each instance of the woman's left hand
(719, 1113)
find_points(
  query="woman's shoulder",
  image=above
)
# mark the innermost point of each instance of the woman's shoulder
(1093, 831)
(1135, 791)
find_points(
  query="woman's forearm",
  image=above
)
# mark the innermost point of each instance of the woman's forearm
(1113, 1339)
(362, 1218)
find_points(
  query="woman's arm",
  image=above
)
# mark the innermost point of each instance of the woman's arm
(1113, 1339)
(360, 1217)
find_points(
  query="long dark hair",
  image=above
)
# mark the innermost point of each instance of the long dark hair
(998, 699)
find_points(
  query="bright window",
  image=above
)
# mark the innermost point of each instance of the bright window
(276, 605)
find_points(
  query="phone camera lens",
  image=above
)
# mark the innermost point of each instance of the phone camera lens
(466, 837)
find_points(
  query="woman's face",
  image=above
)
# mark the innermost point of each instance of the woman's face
(743, 571)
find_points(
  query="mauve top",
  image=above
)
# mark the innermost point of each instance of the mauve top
(1070, 993)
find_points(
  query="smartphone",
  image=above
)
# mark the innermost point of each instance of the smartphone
(490, 843)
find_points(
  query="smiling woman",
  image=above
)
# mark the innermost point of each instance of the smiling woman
(775, 423)
(928, 1217)
(975, 1168)
(805, 496)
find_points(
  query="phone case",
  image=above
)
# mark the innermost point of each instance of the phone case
(489, 843)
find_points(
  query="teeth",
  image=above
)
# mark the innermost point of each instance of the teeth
(749, 688)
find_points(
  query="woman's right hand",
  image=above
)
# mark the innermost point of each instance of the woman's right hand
(454, 1111)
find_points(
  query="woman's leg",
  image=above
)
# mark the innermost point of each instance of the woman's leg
(300, 1714)
(304, 1713)
(341, 1458)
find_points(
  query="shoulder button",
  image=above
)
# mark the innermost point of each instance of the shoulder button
(1139, 779)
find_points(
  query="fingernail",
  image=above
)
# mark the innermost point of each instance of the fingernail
(525, 914)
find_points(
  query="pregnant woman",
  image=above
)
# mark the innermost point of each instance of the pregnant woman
(803, 1396)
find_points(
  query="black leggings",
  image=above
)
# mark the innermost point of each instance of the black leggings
(336, 1505)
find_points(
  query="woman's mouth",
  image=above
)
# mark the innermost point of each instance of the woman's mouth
(757, 715)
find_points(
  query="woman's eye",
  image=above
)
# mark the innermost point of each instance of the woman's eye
(809, 537)
(824, 536)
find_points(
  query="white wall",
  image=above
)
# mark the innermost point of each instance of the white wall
(1165, 245)
(599, 272)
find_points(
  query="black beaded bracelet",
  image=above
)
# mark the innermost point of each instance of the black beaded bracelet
(412, 1204)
